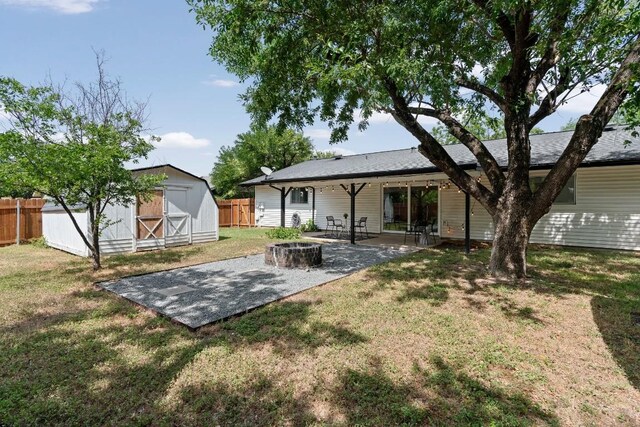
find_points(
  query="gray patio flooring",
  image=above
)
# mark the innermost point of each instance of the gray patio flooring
(199, 295)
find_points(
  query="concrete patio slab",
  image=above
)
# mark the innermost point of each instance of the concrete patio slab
(199, 295)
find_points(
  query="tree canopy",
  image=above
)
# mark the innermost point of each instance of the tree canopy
(443, 59)
(74, 147)
(261, 146)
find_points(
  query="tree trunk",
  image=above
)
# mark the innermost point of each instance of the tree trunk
(95, 252)
(509, 250)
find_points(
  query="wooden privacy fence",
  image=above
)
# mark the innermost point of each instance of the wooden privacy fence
(20, 220)
(237, 213)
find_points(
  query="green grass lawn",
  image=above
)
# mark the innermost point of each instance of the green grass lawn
(424, 340)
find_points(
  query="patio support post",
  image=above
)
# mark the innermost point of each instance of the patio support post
(467, 223)
(283, 197)
(353, 193)
(313, 206)
(353, 213)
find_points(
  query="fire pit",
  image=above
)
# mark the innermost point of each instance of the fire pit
(293, 255)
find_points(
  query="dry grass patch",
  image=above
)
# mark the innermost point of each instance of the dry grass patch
(423, 340)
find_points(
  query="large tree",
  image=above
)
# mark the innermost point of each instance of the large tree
(74, 146)
(261, 146)
(443, 59)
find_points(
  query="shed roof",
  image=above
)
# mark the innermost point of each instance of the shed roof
(546, 148)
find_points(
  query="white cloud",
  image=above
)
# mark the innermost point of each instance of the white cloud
(318, 133)
(376, 117)
(180, 140)
(220, 83)
(69, 7)
(379, 117)
(582, 103)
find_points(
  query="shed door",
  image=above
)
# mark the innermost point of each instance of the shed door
(177, 218)
(151, 217)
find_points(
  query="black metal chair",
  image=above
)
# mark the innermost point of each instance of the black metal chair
(362, 225)
(416, 228)
(431, 230)
(334, 225)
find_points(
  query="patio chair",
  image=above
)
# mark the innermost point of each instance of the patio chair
(334, 225)
(362, 225)
(431, 230)
(416, 228)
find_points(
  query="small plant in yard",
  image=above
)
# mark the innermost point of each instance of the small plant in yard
(309, 226)
(39, 242)
(283, 233)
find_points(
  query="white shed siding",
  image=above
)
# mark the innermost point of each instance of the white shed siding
(332, 201)
(60, 233)
(606, 213)
(199, 204)
(116, 238)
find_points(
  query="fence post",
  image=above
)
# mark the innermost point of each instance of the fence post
(17, 221)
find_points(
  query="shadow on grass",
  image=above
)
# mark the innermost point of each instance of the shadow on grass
(261, 400)
(286, 326)
(610, 278)
(439, 397)
(86, 366)
(620, 333)
(76, 369)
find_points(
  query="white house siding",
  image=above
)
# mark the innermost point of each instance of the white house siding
(332, 201)
(60, 233)
(606, 213)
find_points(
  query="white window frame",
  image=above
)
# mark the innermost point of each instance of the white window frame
(298, 189)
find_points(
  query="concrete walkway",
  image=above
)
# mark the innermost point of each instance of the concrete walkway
(199, 295)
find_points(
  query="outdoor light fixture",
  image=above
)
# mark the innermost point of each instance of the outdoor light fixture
(261, 209)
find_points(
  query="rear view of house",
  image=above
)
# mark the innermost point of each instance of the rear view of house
(181, 212)
(599, 206)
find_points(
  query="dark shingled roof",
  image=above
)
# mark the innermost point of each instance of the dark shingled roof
(546, 148)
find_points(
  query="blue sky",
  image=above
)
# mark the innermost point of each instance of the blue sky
(159, 53)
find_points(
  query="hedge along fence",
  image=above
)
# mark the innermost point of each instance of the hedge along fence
(20, 220)
(237, 212)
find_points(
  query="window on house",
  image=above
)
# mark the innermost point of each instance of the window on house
(300, 196)
(566, 197)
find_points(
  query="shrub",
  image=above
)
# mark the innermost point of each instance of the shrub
(39, 242)
(283, 233)
(309, 226)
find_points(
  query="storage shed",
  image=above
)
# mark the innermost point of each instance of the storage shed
(181, 212)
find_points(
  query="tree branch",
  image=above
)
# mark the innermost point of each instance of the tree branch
(431, 149)
(476, 86)
(588, 130)
(469, 140)
(503, 21)
(549, 105)
(551, 55)
(62, 203)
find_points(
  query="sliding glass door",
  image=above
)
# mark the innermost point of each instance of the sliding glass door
(405, 205)
(424, 205)
(395, 208)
